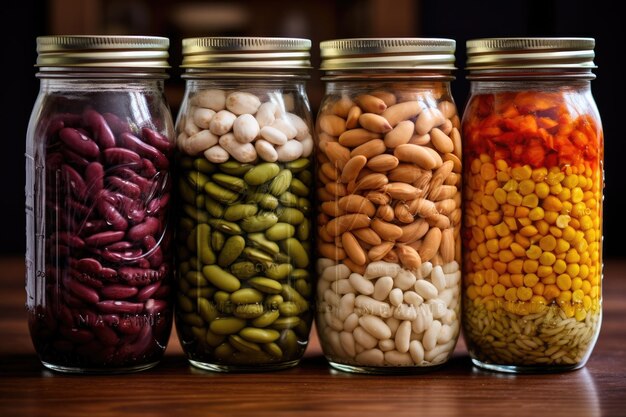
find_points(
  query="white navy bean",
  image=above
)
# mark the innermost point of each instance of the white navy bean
(438, 278)
(335, 272)
(382, 287)
(342, 286)
(375, 326)
(403, 337)
(437, 307)
(425, 289)
(413, 298)
(387, 345)
(351, 322)
(346, 306)
(405, 312)
(393, 357)
(371, 306)
(431, 335)
(404, 280)
(216, 154)
(332, 298)
(211, 99)
(381, 269)
(372, 357)
(361, 285)
(347, 343)
(307, 146)
(396, 296)
(363, 338)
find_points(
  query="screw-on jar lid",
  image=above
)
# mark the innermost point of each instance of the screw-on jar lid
(246, 53)
(388, 54)
(145, 52)
(530, 53)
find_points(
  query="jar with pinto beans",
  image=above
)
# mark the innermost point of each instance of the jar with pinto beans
(98, 151)
(389, 205)
(533, 193)
(244, 136)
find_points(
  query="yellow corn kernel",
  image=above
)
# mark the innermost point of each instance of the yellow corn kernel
(569, 233)
(526, 187)
(567, 207)
(568, 309)
(475, 166)
(547, 243)
(530, 280)
(584, 258)
(552, 203)
(484, 158)
(591, 236)
(474, 257)
(521, 212)
(544, 270)
(542, 227)
(500, 196)
(538, 288)
(577, 195)
(517, 249)
(559, 266)
(489, 203)
(511, 223)
(556, 189)
(573, 270)
(515, 266)
(547, 258)
(502, 229)
(564, 282)
(577, 284)
(472, 292)
(514, 198)
(594, 292)
(539, 174)
(491, 277)
(486, 290)
(482, 221)
(570, 181)
(500, 267)
(479, 278)
(481, 249)
(536, 213)
(521, 173)
(577, 296)
(542, 190)
(522, 240)
(507, 209)
(562, 246)
(550, 216)
(525, 221)
(591, 204)
(586, 302)
(534, 252)
(586, 223)
(487, 263)
(502, 165)
(494, 217)
(499, 290)
(580, 315)
(565, 194)
(506, 256)
(584, 271)
(550, 279)
(492, 246)
(564, 297)
(530, 201)
(511, 294)
(562, 221)
(478, 235)
(554, 177)
(579, 210)
(505, 242)
(510, 185)
(524, 293)
(572, 257)
(530, 266)
(505, 279)
(550, 292)
(528, 231)
(502, 176)
(490, 187)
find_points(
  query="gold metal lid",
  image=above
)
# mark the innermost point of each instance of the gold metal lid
(246, 53)
(530, 53)
(139, 52)
(435, 54)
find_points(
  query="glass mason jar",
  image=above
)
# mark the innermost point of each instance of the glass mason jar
(98, 149)
(244, 167)
(533, 196)
(389, 205)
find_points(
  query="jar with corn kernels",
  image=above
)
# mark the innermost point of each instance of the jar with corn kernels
(533, 191)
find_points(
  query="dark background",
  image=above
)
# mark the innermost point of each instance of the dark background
(317, 20)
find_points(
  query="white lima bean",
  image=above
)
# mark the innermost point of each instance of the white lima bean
(222, 122)
(245, 128)
(210, 99)
(241, 102)
(242, 152)
(290, 151)
(202, 117)
(388, 316)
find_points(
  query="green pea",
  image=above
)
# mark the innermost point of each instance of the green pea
(303, 287)
(217, 240)
(278, 271)
(214, 208)
(300, 273)
(266, 318)
(267, 201)
(228, 181)
(282, 258)
(273, 349)
(220, 278)
(225, 226)
(185, 191)
(221, 297)
(288, 309)
(259, 223)
(304, 230)
(288, 199)
(224, 351)
(280, 231)
(296, 251)
(298, 165)
(206, 310)
(280, 183)
(197, 180)
(260, 241)
(237, 212)
(284, 323)
(221, 194)
(291, 216)
(252, 334)
(193, 319)
(290, 294)
(196, 278)
(200, 216)
(243, 345)
(304, 205)
(298, 188)
(266, 285)
(257, 255)
(246, 296)
(261, 173)
(184, 303)
(288, 342)
(227, 325)
(203, 235)
(213, 339)
(248, 311)
(243, 270)
(202, 165)
(235, 168)
(232, 250)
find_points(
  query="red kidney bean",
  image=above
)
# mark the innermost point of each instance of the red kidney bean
(108, 273)
(54, 126)
(128, 188)
(150, 226)
(132, 142)
(68, 239)
(112, 216)
(86, 279)
(135, 350)
(104, 238)
(144, 184)
(117, 257)
(119, 246)
(148, 291)
(116, 124)
(75, 206)
(143, 263)
(138, 276)
(102, 133)
(94, 178)
(74, 158)
(119, 307)
(106, 335)
(88, 265)
(156, 139)
(75, 182)
(155, 306)
(81, 291)
(148, 170)
(79, 143)
(91, 227)
(121, 156)
(116, 291)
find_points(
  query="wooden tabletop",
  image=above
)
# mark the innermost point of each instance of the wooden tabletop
(174, 388)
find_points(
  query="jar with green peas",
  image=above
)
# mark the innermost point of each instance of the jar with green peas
(244, 179)
(532, 235)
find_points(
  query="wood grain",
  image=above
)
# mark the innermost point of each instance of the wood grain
(175, 388)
